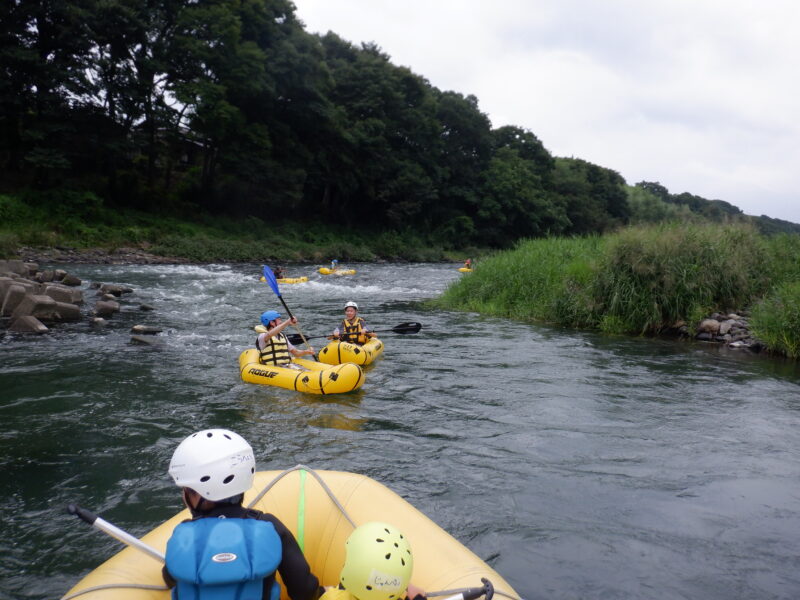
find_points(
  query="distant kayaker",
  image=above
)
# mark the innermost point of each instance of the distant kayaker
(334, 264)
(377, 566)
(210, 552)
(352, 328)
(278, 272)
(468, 263)
(273, 346)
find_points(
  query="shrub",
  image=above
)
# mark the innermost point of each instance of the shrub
(776, 319)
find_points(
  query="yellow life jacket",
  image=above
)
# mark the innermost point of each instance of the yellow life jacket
(275, 351)
(353, 333)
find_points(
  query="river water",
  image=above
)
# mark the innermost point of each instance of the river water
(577, 465)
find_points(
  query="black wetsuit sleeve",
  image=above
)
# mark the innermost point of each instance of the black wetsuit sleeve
(171, 583)
(300, 582)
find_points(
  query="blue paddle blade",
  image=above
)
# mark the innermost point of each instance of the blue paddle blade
(270, 278)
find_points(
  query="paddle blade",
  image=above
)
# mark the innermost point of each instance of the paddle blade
(269, 277)
(295, 339)
(405, 328)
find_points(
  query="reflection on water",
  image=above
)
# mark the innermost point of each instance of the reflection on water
(578, 465)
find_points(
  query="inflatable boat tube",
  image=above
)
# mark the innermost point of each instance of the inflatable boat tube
(302, 375)
(327, 271)
(302, 503)
(337, 352)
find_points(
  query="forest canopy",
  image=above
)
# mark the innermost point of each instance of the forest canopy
(222, 107)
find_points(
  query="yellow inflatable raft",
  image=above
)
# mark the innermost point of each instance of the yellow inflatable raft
(307, 376)
(337, 352)
(287, 279)
(298, 498)
(465, 270)
(327, 271)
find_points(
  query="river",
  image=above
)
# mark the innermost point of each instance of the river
(578, 465)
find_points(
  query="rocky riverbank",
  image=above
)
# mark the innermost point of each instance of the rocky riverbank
(118, 256)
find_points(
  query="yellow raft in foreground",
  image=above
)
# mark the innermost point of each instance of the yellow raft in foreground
(327, 271)
(299, 500)
(338, 352)
(312, 377)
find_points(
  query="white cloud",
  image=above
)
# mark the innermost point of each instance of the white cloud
(700, 95)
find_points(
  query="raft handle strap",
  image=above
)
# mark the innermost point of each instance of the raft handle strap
(316, 476)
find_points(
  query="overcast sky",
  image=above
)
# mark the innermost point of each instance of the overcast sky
(702, 96)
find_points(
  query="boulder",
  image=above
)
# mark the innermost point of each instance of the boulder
(28, 324)
(36, 305)
(13, 297)
(46, 276)
(98, 322)
(14, 266)
(66, 311)
(59, 274)
(32, 268)
(146, 307)
(6, 282)
(708, 326)
(725, 326)
(62, 293)
(106, 308)
(71, 280)
(146, 329)
(117, 290)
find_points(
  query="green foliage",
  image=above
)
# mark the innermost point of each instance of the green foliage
(9, 243)
(652, 277)
(538, 280)
(232, 110)
(639, 280)
(776, 319)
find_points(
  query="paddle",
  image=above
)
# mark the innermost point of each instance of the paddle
(402, 328)
(112, 530)
(471, 593)
(269, 277)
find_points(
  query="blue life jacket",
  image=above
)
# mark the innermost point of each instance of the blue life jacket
(223, 559)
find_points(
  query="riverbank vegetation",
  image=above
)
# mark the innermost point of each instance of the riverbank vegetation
(80, 221)
(227, 115)
(643, 280)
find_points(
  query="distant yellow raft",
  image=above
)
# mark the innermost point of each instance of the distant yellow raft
(315, 378)
(299, 500)
(327, 271)
(465, 270)
(338, 352)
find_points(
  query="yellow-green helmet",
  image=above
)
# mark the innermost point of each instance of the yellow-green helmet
(378, 563)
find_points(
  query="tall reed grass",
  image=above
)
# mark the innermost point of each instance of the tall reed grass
(776, 320)
(638, 280)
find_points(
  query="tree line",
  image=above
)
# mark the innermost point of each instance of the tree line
(231, 107)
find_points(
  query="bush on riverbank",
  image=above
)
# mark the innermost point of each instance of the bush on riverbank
(776, 319)
(82, 221)
(638, 280)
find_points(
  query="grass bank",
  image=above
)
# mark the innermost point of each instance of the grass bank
(643, 280)
(81, 220)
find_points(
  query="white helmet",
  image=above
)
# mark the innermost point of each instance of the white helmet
(351, 303)
(216, 463)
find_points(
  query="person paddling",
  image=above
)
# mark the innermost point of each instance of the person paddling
(273, 346)
(226, 550)
(353, 328)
